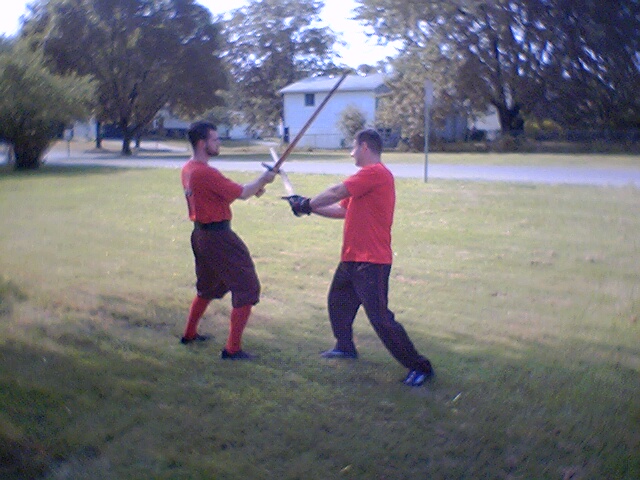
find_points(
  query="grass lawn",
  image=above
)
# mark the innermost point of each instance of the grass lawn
(525, 298)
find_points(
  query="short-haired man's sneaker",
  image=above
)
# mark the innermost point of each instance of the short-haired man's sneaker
(239, 355)
(416, 378)
(335, 353)
(197, 338)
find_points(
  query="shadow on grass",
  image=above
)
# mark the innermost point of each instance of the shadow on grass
(51, 403)
(124, 398)
(60, 171)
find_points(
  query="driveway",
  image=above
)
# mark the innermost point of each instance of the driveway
(520, 174)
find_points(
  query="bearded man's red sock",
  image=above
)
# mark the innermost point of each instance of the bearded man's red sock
(239, 319)
(198, 307)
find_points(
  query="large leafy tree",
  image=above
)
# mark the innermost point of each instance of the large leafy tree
(35, 104)
(538, 58)
(351, 121)
(270, 44)
(144, 55)
(6, 44)
(404, 106)
(595, 66)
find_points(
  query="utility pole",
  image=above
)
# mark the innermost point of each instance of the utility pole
(428, 101)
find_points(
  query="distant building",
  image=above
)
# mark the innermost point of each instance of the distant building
(487, 125)
(236, 132)
(166, 124)
(302, 98)
(85, 130)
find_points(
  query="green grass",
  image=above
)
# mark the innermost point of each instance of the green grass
(526, 299)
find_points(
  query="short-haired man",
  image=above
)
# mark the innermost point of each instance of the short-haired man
(366, 202)
(222, 260)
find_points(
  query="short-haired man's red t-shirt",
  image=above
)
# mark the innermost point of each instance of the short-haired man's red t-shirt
(209, 193)
(370, 207)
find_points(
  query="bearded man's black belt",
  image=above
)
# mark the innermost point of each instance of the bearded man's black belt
(223, 225)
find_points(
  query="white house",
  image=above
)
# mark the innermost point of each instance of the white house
(302, 98)
(488, 123)
(171, 125)
(84, 130)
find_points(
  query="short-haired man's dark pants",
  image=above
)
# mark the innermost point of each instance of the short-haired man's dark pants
(367, 284)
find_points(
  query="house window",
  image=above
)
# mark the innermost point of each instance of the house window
(309, 99)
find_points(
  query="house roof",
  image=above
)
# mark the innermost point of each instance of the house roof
(324, 84)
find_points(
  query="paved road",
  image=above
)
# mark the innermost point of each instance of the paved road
(519, 174)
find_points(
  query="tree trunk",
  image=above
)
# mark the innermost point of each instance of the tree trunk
(126, 146)
(505, 118)
(511, 122)
(28, 153)
(98, 136)
(126, 139)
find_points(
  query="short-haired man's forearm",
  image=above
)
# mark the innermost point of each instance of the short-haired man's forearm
(330, 196)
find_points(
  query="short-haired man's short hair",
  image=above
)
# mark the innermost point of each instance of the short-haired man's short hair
(199, 131)
(371, 138)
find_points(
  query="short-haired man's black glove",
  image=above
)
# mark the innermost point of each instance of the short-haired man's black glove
(299, 205)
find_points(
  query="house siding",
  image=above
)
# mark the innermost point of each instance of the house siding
(324, 132)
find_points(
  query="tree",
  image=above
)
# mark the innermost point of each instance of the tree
(270, 44)
(35, 104)
(403, 107)
(596, 63)
(466, 44)
(6, 44)
(144, 55)
(352, 120)
(533, 58)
